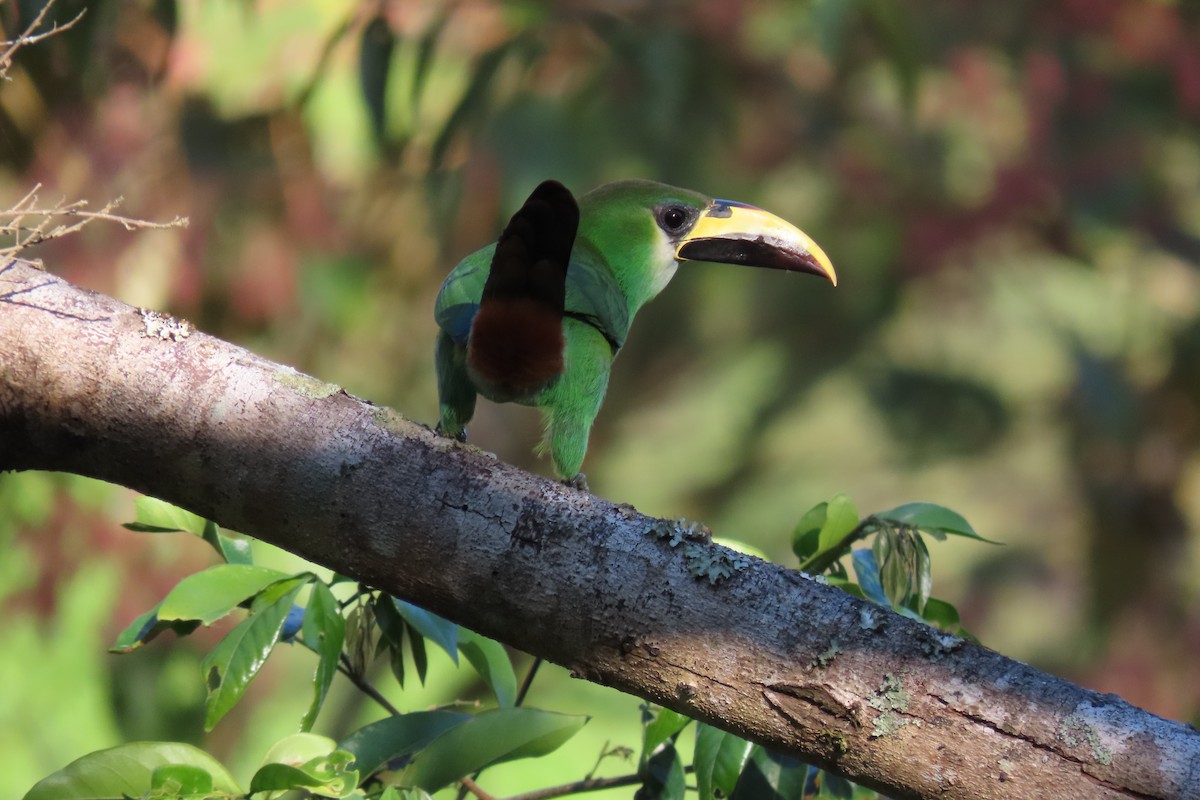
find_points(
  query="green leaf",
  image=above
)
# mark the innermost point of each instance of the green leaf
(152, 515)
(281, 778)
(420, 658)
(475, 98)
(931, 518)
(426, 46)
(234, 662)
(324, 630)
(663, 776)
(491, 737)
(156, 516)
(665, 725)
(883, 546)
(173, 780)
(718, 761)
(299, 748)
(866, 569)
(374, 67)
(145, 627)
(127, 770)
(841, 518)
(768, 776)
(232, 549)
(491, 661)
(209, 595)
(360, 637)
(806, 537)
(834, 787)
(405, 793)
(923, 573)
(138, 632)
(396, 662)
(396, 739)
(441, 632)
(395, 631)
(328, 775)
(824, 533)
(846, 585)
(738, 546)
(942, 614)
(387, 617)
(894, 573)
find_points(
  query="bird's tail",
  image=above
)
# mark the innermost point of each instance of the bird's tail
(516, 344)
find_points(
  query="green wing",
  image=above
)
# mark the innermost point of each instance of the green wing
(592, 294)
(458, 299)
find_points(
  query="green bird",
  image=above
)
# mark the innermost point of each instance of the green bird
(538, 317)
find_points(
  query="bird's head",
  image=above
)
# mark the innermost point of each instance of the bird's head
(645, 229)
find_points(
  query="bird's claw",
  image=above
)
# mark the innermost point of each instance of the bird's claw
(578, 482)
(460, 436)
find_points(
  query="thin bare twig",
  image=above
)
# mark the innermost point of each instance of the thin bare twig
(585, 785)
(525, 684)
(365, 686)
(29, 225)
(606, 752)
(29, 37)
(473, 787)
(589, 783)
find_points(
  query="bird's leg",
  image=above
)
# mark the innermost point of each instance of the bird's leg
(456, 395)
(571, 404)
(578, 482)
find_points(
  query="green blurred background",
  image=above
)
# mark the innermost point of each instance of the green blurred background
(1010, 193)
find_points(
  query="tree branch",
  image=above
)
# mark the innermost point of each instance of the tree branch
(87, 385)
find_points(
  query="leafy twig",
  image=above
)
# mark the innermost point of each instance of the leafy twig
(819, 562)
(365, 686)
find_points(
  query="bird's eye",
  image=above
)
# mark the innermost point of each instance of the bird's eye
(672, 218)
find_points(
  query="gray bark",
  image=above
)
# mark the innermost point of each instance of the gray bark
(93, 386)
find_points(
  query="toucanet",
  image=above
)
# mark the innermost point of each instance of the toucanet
(538, 317)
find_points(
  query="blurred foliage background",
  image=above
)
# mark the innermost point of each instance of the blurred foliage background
(1010, 192)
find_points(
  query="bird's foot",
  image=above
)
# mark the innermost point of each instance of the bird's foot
(578, 482)
(460, 436)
